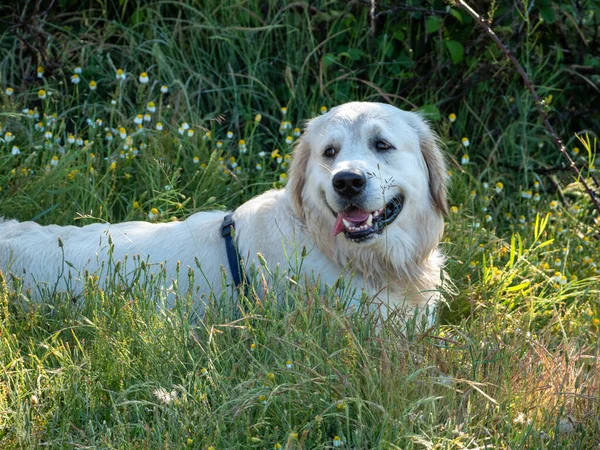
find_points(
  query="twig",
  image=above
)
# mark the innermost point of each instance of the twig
(538, 103)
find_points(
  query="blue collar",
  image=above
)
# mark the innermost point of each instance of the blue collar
(233, 256)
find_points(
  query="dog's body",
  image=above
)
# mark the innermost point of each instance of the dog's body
(365, 199)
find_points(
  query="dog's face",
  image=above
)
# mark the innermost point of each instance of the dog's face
(369, 170)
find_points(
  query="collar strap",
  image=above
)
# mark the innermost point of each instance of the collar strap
(235, 261)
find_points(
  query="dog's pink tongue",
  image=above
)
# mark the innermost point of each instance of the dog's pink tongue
(356, 217)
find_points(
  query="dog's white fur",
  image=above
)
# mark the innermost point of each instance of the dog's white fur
(400, 267)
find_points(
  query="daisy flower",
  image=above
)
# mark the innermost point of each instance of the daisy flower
(159, 126)
(75, 79)
(465, 142)
(15, 150)
(9, 91)
(164, 89)
(77, 70)
(40, 72)
(144, 78)
(151, 107)
(42, 94)
(121, 74)
(229, 134)
(452, 117)
(323, 109)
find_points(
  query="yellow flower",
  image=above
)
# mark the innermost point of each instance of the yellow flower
(596, 321)
(323, 109)
(271, 376)
(452, 117)
(454, 209)
(136, 205)
(253, 346)
(553, 204)
(113, 165)
(282, 177)
(42, 94)
(499, 187)
(153, 214)
(258, 118)
(40, 72)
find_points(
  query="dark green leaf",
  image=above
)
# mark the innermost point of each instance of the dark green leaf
(457, 51)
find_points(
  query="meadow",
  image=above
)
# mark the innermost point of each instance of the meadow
(156, 110)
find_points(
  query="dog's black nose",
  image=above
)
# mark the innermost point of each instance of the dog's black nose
(349, 183)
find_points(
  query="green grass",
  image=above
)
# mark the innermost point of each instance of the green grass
(513, 362)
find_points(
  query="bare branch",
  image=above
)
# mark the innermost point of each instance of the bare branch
(538, 103)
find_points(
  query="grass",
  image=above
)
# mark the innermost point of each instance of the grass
(513, 363)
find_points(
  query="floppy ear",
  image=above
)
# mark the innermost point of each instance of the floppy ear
(297, 173)
(438, 175)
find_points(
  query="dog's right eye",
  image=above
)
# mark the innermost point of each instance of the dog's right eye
(329, 152)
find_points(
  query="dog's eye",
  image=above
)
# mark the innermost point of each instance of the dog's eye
(329, 152)
(382, 145)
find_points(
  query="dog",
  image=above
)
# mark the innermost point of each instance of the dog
(365, 200)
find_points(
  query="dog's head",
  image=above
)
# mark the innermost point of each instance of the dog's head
(371, 173)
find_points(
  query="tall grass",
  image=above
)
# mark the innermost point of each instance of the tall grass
(513, 362)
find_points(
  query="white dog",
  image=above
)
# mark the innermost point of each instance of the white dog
(365, 199)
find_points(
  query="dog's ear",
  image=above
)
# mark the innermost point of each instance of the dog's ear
(436, 165)
(297, 173)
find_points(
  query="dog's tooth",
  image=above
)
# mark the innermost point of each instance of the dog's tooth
(347, 224)
(369, 221)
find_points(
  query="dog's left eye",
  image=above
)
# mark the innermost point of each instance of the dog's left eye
(382, 145)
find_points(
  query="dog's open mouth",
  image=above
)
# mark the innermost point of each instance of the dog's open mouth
(359, 225)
